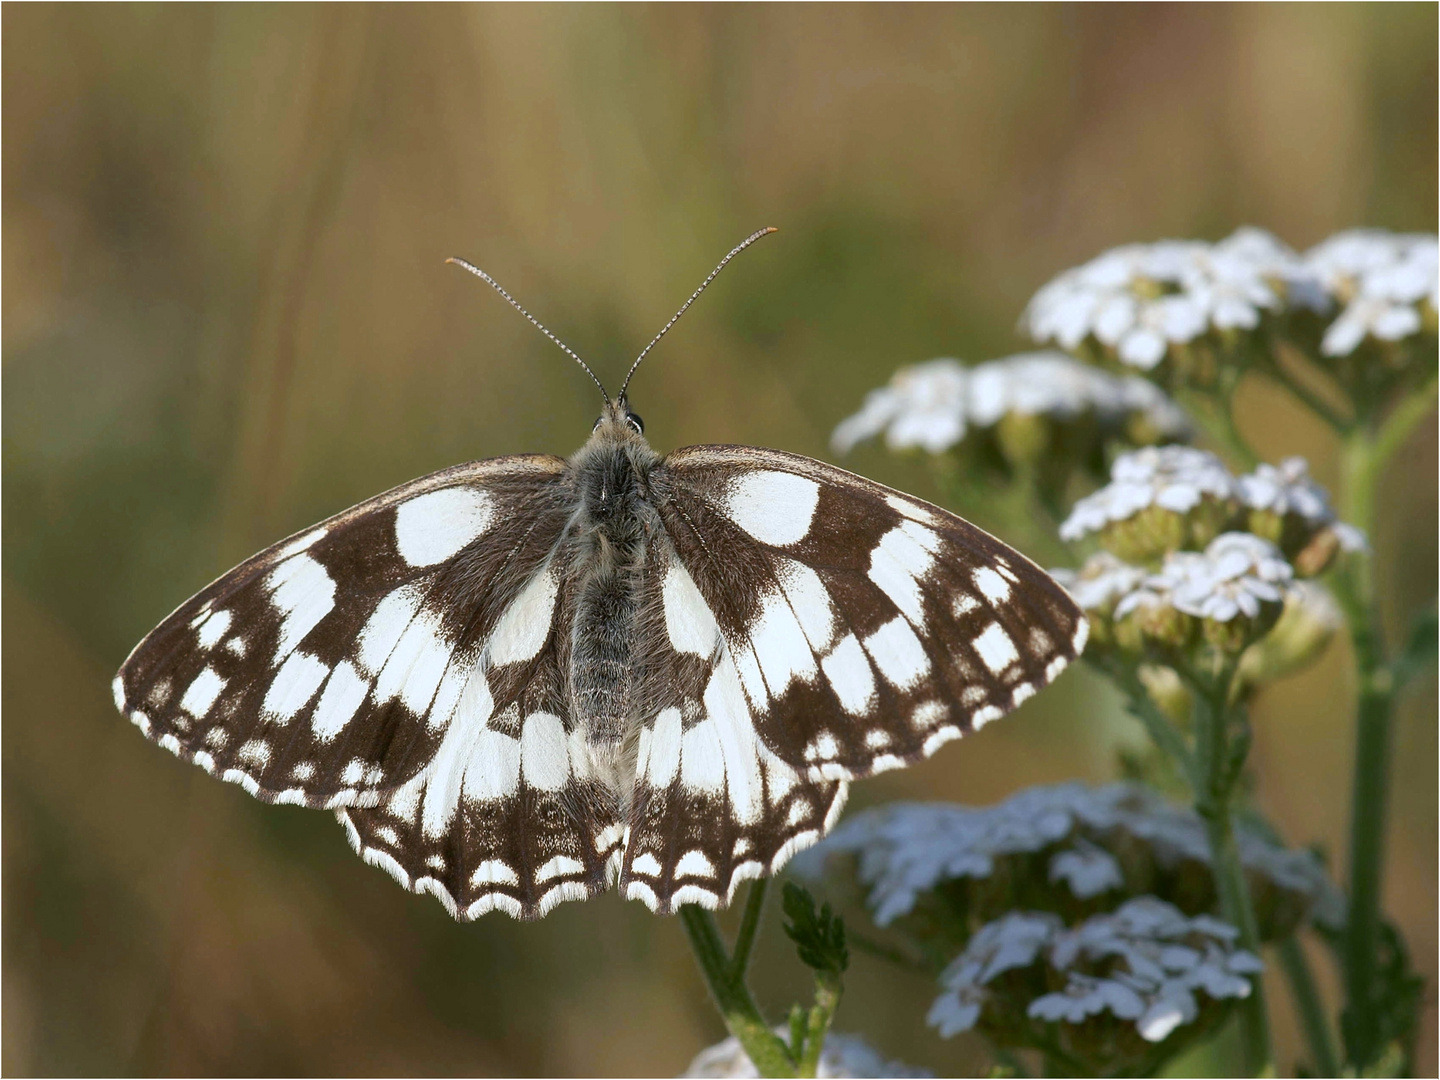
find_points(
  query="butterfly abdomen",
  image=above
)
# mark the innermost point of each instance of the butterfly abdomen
(611, 536)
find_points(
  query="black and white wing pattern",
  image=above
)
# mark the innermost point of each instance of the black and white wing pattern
(384, 659)
(823, 628)
(712, 803)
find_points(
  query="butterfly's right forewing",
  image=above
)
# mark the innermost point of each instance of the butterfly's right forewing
(323, 671)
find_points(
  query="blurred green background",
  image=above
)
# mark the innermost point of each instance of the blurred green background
(226, 316)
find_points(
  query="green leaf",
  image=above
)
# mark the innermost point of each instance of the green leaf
(819, 936)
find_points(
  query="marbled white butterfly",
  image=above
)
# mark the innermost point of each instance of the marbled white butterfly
(525, 680)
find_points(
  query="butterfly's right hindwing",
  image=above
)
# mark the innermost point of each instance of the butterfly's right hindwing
(323, 670)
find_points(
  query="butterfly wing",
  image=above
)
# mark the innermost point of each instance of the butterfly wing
(804, 627)
(322, 670)
(867, 628)
(399, 663)
(712, 804)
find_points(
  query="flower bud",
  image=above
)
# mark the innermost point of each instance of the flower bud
(1304, 630)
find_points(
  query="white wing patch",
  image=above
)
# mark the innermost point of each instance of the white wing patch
(689, 622)
(304, 593)
(433, 527)
(775, 508)
(898, 654)
(522, 630)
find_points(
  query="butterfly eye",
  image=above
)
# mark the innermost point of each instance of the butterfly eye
(633, 419)
(598, 421)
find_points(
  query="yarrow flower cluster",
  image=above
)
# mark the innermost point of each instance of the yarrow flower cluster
(1176, 308)
(922, 864)
(1158, 498)
(1163, 499)
(1144, 968)
(1235, 588)
(1387, 285)
(1143, 303)
(842, 1056)
(933, 406)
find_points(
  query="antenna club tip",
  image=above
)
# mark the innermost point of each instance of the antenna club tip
(770, 229)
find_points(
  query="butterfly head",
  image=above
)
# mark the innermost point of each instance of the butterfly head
(618, 422)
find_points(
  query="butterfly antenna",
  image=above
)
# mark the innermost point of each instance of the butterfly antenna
(483, 276)
(676, 317)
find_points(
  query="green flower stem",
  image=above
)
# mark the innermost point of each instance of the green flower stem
(732, 995)
(828, 988)
(1368, 449)
(1324, 1060)
(1158, 725)
(749, 925)
(1215, 763)
(1217, 420)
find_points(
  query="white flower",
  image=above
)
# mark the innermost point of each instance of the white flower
(1351, 538)
(1141, 299)
(1087, 869)
(1038, 384)
(1171, 477)
(841, 1056)
(1101, 582)
(1380, 279)
(1143, 962)
(905, 850)
(1286, 489)
(924, 406)
(1163, 957)
(1234, 575)
(1015, 940)
(934, 405)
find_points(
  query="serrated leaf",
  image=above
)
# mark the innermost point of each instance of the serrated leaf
(819, 935)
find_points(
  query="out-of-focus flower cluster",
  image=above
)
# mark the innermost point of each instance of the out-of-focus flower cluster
(1150, 590)
(1086, 908)
(1112, 986)
(927, 868)
(1385, 285)
(1034, 410)
(1142, 304)
(1179, 309)
(841, 1056)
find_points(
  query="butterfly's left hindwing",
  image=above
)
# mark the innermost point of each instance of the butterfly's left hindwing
(867, 628)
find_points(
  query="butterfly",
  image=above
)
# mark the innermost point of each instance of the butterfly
(525, 680)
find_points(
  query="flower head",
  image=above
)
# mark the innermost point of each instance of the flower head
(1382, 283)
(1144, 303)
(934, 406)
(936, 862)
(1235, 587)
(1284, 505)
(1145, 968)
(923, 407)
(1160, 498)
